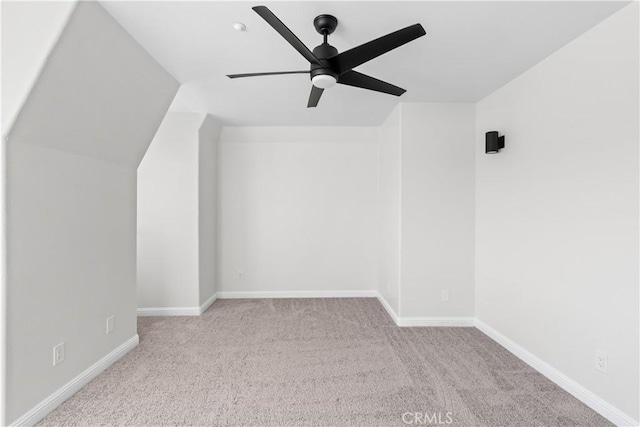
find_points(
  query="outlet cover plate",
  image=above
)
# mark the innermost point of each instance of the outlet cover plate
(602, 361)
(110, 325)
(58, 354)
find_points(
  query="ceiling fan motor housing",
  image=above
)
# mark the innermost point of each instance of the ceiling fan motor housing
(321, 75)
(324, 51)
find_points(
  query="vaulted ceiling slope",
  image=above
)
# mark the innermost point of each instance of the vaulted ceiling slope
(470, 50)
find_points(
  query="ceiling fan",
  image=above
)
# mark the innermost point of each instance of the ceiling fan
(329, 67)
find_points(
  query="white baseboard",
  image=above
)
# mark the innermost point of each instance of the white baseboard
(298, 294)
(177, 311)
(425, 321)
(66, 391)
(468, 322)
(168, 311)
(197, 311)
(599, 405)
(388, 307)
(205, 305)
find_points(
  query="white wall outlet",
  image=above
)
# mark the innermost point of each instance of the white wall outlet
(110, 324)
(240, 275)
(444, 295)
(58, 354)
(602, 361)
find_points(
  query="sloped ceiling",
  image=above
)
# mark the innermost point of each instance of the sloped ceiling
(471, 49)
(99, 93)
(29, 32)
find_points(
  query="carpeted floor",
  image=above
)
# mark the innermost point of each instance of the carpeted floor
(316, 362)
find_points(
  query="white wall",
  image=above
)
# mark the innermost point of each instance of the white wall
(437, 209)
(71, 198)
(298, 209)
(176, 213)
(168, 215)
(208, 136)
(325, 209)
(389, 187)
(71, 265)
(29, 32)
(557, 210)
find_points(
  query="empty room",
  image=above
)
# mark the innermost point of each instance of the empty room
(320, 213)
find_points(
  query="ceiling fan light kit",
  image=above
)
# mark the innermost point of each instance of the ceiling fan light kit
(329, 67)
(324, 81)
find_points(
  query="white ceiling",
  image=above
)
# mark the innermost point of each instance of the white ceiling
(471, 49)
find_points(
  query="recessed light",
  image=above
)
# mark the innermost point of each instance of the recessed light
(239, 26)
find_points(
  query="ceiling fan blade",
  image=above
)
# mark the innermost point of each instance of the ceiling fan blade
(314, 96)
(274, 73)
(285, 32)
(354, 78)
(351, 58)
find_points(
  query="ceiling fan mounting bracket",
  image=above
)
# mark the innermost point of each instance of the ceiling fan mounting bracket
(325, 24)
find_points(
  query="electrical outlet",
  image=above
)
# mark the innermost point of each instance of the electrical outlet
(58, 354)
(240, 275)
(444, 295)
(110, 324)
(602, 361)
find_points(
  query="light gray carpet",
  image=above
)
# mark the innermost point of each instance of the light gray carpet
(316, 362)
